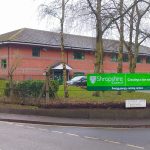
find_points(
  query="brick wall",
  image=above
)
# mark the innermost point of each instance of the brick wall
(33, 67)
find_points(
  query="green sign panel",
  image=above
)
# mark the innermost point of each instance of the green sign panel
(118, 81)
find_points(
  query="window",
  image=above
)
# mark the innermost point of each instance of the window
(3, 63)
(79, 55)
(114, 57)
(148, 59)
(36, 51)
(125, 58)
(78, 74)
(139, 59)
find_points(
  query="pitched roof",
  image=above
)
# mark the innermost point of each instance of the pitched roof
(46, 38)
(51, 39)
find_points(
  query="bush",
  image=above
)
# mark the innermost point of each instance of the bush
(31, 88)
(28, 88)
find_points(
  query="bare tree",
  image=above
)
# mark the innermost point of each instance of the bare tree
(140, 14)
(105, 15)
(129, 44)
(57, 9)
(121, 31)
(135, 34)
(102, 12)
(11, 70)
(120, 54)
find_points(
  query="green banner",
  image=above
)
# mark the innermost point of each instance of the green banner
(118, 81)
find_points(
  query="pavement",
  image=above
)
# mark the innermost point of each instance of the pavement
(45, 120)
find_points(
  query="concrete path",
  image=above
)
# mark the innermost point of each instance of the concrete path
(74, 122)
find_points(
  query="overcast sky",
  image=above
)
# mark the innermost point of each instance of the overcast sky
(16, 14)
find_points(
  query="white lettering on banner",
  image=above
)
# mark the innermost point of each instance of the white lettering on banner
(135, 103)
(113, 80)
(138, 80)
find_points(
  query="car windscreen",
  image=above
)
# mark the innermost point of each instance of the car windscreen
(76, 78)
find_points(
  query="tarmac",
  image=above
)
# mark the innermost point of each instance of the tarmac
(45, 120)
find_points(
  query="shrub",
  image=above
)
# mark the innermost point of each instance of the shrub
(31, 88)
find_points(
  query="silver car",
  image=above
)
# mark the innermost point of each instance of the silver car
(78, 80)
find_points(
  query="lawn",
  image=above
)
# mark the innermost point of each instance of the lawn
(82, 95)
(78, 94)
(2, 86)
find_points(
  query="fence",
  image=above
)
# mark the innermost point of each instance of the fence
(24, 77)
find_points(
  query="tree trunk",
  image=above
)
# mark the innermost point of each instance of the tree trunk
(136, 46)
(99, 45)
(140, 14)
(131, 58)
(120, 54)
(11, 86)
(62, 51)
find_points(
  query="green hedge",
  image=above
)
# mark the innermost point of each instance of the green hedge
(31, 88)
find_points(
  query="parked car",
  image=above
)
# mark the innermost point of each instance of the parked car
(78, 81)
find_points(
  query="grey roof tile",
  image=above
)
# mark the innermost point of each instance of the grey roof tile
(46, 38)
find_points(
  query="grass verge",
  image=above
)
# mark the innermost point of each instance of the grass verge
(79, 94)
(2, 87)
(79, 98)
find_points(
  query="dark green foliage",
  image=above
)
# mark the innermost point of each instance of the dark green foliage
(54, 88)
(31, 88)
(7, 90)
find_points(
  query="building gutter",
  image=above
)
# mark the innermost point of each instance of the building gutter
(66, 47)
(44, 45)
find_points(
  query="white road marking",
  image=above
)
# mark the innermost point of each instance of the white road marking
(8, 122)
(134, 146)
(111, 128)
(43, 129)
(20, 125)
(72, 134)
(56, 132)
(30, 127)
(89, 137)
(62, 126)
(109, 141)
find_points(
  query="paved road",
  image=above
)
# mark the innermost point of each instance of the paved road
(16, 136)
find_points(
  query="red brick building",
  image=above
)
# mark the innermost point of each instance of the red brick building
(34, 50)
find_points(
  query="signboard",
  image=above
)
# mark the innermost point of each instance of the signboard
(135, 103)
(118, 81)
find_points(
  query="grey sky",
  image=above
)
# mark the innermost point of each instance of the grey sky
(15, 14)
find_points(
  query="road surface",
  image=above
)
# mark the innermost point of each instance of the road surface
(17, 136)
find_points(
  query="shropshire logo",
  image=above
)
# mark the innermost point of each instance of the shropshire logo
(93, 79)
